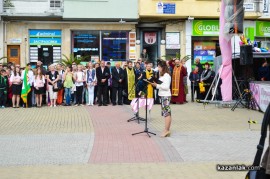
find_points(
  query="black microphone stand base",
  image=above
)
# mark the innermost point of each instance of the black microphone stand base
(136, 118)
(145, 131)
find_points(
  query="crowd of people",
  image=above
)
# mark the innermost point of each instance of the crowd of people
(101, 84)
(97, 83)
(204, 76)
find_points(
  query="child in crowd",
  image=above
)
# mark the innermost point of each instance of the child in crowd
(3, 88)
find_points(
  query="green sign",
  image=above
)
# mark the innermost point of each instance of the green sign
(262, 29)
(205, 28)
(250, 33)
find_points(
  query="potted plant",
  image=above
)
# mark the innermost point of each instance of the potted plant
(2, 58)
(177, 56)
(67, 61)
(8, 6)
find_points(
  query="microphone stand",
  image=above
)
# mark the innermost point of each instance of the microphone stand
(136, 117)
(146, 120)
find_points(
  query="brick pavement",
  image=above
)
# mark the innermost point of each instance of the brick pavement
(49, 149)
(44, 120)
(48, 139)
(187, 170)
(114, 142)
(36, 136)
(193, 117)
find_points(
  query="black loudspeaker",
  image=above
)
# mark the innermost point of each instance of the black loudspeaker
(246, 55)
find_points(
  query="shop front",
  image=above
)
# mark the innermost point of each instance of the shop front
(45, 46)
(96, 44)
(258, 32)
(262, 34)
(150, 36)
(205, 41)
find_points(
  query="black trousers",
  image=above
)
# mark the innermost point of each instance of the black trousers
(44, 96)
(79, 91)
(109, 96)
(195, 89)
(207, 88)
(29, 98)
(157, 98)
(118, 91)
(3, 98)
(102, 94)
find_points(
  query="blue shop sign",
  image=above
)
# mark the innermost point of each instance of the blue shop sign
(45, 33)
(168, 8)
(45, 41)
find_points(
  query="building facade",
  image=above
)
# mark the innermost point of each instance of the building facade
(118, 30)
(44, 30)
(190, 27)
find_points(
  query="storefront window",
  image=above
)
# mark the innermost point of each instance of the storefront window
(114, 45)
(45, 45)
(206, 49)
(86, 43)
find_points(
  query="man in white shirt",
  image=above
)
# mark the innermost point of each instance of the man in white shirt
(30, 76)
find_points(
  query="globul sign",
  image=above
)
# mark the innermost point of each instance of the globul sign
(205, 28)
(262, 29)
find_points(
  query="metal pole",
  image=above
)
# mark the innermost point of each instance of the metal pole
(215, 90)
(210, 87)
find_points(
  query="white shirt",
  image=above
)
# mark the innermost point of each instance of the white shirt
(79, 77)
(15, 79)
(61, 73)
(164, 88)
(39, 82)
(30, 76)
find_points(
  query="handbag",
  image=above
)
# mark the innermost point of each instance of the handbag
(260, 174)
(55, 87)
(201, 87)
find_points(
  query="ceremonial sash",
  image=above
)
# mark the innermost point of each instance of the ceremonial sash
(131, 83)
(150, 89)
(176, 81)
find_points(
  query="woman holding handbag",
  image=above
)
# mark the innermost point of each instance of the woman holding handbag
(39, 83)
(52, 77)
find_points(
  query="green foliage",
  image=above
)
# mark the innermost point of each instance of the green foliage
(67, 61)
(177, 56)
(2, 58)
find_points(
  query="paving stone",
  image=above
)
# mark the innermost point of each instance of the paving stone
(96, 142)
(57, 149)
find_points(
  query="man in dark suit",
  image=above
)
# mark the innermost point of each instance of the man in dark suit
(103, 74)
(117, 84)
